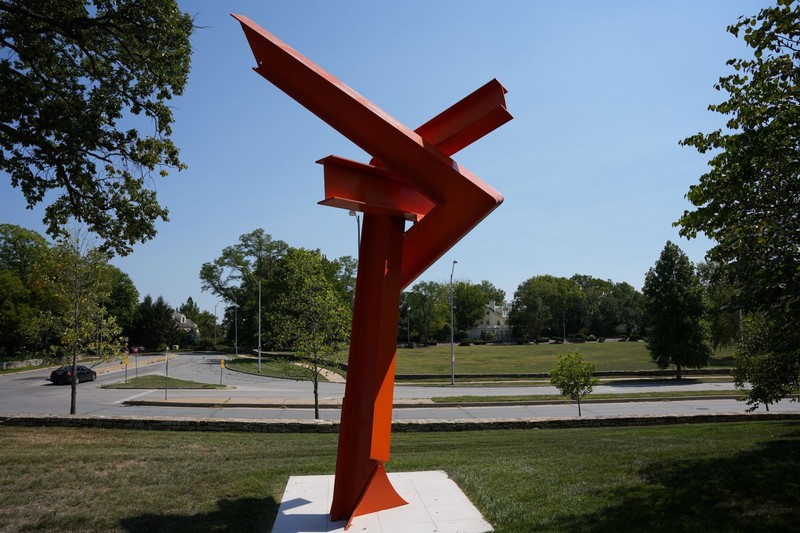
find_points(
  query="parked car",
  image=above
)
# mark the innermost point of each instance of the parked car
(63, 375)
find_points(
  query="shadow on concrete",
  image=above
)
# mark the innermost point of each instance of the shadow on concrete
(239, 515)
(650, 382)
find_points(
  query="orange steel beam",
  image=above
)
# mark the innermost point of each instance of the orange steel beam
(356, 186)
(411, 177)
(398, 148)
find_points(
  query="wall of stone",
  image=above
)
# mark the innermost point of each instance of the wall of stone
(406, 426)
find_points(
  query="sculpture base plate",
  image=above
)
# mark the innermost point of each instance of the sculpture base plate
(435, 504)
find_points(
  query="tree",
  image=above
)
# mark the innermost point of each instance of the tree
(529, 312)
(677, 333)
(630, 307)
(724, 319)
(547, 304)
(469, 305)
(77, 280)
(770, 367)
(430, 309)
(342, 272)
(190, 309)
(21, 305)
(103, 64)
(154, 326)
(749, 200)
(492, 293)
(573, 376)
(16, 315)
(311, 319)
(123, 298)
(235, 276)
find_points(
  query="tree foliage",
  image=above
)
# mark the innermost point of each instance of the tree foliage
(60, 298)
(573, 376)
(469, 305)
(25, 310)
(491, 292)
(767, 361)
(429, 307)
(546, 305)
(122, 300)
(723, 316)
(312, 320)
(76, 75)
(258, 258)
(677, 334)
(154, 326)
(77, 279)
(749, 200)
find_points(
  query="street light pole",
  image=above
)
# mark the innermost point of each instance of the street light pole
(240, 268)
(358, 229)
(215, 324)
(408, 333)
(452, 340)
(259, 326)
(236, 327)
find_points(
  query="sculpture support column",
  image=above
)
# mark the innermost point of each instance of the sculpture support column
(367, 405)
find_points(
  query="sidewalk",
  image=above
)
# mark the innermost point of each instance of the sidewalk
(230, 401)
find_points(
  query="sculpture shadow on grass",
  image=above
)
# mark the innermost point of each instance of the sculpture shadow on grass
(238, 515)
(754, 490)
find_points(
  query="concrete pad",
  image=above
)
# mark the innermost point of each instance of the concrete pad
(435, 505)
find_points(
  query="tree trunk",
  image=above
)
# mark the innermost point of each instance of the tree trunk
(74, 383)
(316, 396)
(579, 407)
(678, 366)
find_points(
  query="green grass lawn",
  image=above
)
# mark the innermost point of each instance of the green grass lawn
(500, 359)
(158, 382)
(715, 477)
(586, 399)
(531, 358)
(270, 367)
(22, 369)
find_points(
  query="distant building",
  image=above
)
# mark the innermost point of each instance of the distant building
(494, 324)
(186, 326)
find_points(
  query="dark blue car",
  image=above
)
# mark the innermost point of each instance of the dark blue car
(63, 375)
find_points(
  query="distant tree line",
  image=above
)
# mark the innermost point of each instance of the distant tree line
(259, 262)
(61, 297)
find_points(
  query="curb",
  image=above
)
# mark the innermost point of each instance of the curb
(409, 405)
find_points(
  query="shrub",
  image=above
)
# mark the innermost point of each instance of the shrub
(573, 376)
(542, 340)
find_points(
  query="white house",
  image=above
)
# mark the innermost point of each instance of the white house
(494, 324)
(185, 325)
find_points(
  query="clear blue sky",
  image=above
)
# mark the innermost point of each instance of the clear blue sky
(590, 167)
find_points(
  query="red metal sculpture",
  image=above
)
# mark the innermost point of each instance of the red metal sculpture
(410, 178)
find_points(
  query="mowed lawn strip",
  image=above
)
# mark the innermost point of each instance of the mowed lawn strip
(159, 382)
(711, 477)
(270, 367)
(586, 399)
(531, 358)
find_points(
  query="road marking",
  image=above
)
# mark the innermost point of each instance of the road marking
(133, 397)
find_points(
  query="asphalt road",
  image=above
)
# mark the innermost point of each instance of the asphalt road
(31, 393)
